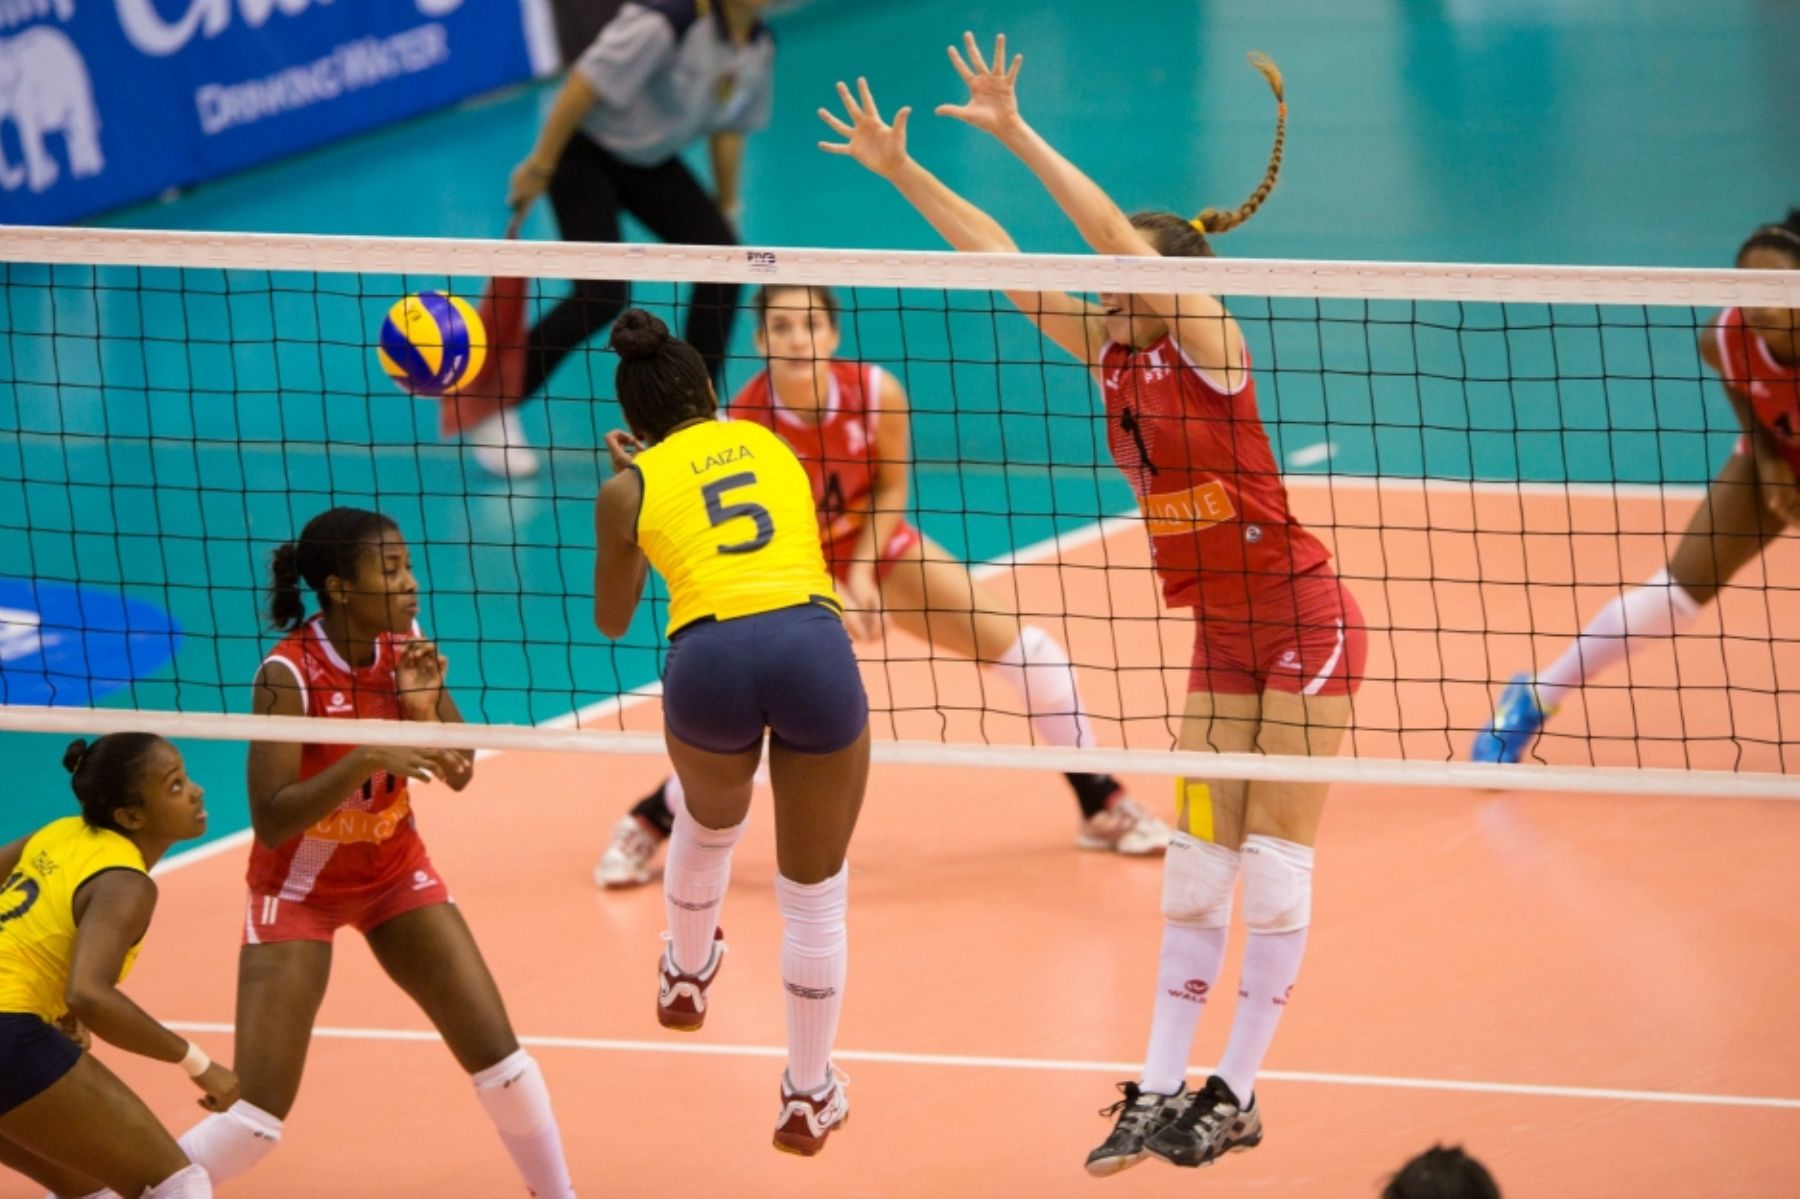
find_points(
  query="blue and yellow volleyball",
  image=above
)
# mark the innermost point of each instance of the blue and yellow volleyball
(432, 343)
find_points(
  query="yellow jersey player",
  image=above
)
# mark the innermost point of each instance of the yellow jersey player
(75, 903)
(724, 511)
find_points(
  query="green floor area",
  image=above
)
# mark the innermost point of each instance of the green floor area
(161, 431)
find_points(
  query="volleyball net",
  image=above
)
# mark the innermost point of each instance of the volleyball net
(1491, 453)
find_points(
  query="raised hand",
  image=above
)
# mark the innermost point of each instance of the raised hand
(419, 676)
(993, 104)
(621, 447)
(867, 138)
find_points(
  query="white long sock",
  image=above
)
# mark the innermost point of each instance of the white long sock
(814, 950)
(1658, 609)
(1039, 672)
(694, 880)
(1277, 912)
(233, 1141)
(518, 1102)
(191, 1183)
(1186, 973)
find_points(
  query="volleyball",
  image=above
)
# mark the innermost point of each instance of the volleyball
(432, 343)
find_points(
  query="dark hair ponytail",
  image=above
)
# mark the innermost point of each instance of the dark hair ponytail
(104, 774)
(331, 544)
(662, 381)
(1783, 236)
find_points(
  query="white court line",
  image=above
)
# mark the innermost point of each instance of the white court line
(1061, 1065)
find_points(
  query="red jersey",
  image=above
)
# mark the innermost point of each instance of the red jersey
(1773, 387)
(838, 450)
(370, 836)
(1200, 464)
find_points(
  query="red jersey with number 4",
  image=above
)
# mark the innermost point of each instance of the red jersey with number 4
(838, 450)
(369, 837)
(1205, 478)
(1773, 387)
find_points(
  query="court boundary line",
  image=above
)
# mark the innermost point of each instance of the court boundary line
(1060, 1065)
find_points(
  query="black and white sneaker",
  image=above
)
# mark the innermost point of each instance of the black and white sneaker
(1139, 1114)
(1211, 1124)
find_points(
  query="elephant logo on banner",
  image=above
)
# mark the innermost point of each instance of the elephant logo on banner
(45, 89)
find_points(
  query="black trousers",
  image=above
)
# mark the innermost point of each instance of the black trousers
(589, 190)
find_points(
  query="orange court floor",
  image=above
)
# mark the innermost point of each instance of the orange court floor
(1592, 993)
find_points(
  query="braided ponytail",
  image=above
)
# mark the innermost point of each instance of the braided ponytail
(1215, 220)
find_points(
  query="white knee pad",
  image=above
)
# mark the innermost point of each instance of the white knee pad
(1277, 884)
(1198, 879)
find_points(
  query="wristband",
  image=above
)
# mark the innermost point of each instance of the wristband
(196, 1062)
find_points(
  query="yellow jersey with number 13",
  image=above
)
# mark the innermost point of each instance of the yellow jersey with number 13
(728, 521)
(37, 912)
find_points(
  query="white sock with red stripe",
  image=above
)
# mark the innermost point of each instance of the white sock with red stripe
(232, 1142)
(1658, 609)
(517, 1101)
(191, 1183)
(695, 876)
(1040, 674)
(814, 951)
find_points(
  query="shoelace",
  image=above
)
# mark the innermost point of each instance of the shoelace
(1126, 1104)
(1205, 1110)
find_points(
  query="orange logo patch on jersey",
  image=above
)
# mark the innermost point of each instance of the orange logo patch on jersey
(1200, 507)
(349, 826)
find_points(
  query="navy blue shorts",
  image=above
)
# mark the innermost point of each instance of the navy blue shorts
(790, 671)
(33, 1055)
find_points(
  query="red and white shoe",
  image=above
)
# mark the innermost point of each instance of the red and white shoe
(681, 1000)
(1124, 827)
(806, 1120)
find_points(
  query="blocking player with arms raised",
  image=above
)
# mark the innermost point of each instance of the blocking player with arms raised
(1278, 640)
(337, 844)
(849, 423)
(723, 510)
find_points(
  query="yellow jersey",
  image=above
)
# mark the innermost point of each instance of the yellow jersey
(728, 521)
(37, 912)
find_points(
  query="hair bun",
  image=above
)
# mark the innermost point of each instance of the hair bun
(637, 334)
(72, 756)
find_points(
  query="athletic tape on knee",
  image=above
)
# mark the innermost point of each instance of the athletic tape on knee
(1198, 880)
(1277, 884)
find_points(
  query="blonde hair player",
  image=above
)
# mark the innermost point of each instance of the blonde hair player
(75, 903)
(1753, 499)
(1278, 640)
(849, 424)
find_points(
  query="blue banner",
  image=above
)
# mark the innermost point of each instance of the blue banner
(104, 102)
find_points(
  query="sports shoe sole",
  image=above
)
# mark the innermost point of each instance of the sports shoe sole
(1106, 1167)
(804, 1144)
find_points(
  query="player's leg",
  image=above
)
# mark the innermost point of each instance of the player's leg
(1199, 879)
(818, 719)
(86, 1126)
(431, 954)
(61, 1181)
(929, 594)
(280, 987)
(1280, 823)
(671, 202)
(1727, 530)
(713, 723)
(585, 191)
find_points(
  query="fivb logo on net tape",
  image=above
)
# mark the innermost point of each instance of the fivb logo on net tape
(104, 102)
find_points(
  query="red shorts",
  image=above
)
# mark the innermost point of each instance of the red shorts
(1306, 637)
(268, 918)
(839, 554)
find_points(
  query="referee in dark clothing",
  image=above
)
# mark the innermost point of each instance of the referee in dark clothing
(661, 74)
